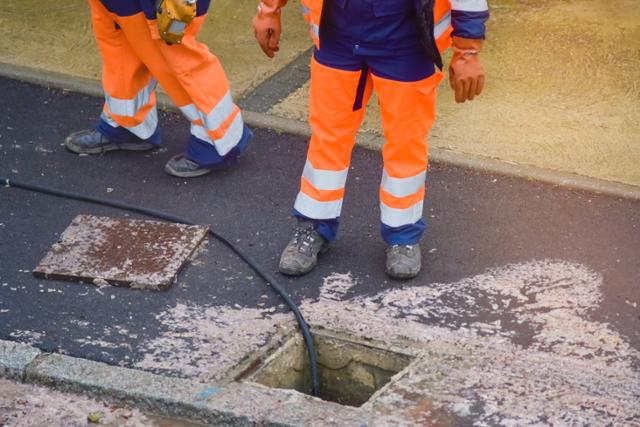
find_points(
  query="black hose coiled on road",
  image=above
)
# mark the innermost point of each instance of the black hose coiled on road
(304, 327)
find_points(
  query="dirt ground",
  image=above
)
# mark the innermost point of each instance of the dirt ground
(562, 90)
(59, 38)
(33, 406)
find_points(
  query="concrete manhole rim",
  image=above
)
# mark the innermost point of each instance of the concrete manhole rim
(408, 351)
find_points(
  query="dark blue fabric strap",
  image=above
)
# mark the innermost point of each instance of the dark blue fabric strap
(121, 134)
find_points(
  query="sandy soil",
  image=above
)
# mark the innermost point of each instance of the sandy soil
(24, 405)
(562, 89)
(59, 38)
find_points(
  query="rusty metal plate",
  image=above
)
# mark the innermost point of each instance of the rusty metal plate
(123, 252)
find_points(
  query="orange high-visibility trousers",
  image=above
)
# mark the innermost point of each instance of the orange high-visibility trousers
(361, 46)
(135, 59)
(408, 112)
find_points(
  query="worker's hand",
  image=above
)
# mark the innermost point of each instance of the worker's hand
(466, 74)
(267, 26)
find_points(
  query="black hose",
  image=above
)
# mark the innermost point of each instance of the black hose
(306, 333)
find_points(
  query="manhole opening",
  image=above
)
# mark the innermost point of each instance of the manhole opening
(350, 372)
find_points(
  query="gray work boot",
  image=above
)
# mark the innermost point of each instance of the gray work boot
(182, 167)
(94, 142)
(301, 254)
(403, 261)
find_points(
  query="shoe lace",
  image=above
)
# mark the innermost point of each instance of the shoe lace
(405, 250)
(305, 238)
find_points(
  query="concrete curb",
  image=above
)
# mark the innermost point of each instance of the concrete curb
(368, 140)
(14, 359)
(233, 404)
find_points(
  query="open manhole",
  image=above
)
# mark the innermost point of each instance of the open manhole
(350, 371)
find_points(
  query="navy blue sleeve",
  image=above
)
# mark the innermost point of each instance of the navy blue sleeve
(468, 18)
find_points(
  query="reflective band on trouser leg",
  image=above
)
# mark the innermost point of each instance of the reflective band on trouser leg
(142, 122)
(130, 107)
(408, 112)
(334, 125)
(401, 199)
(394, 217)
(215, 119)
(143, 130)
(315, 209)
(222, 127)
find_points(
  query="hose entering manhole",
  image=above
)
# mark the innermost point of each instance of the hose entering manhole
(304, 327)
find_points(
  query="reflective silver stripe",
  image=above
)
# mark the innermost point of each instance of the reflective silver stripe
(398, 217)
(130, 107)
(442, 25)
(316, 30)
(104, 116)
(216, 117)
(402, 187)
(315, 209)
(190, 112)
(228, 141)
(232, 137)
(200, 133)
(220, 112)
(144, 130)
(312, 25)
(325, 179)
(469, 5)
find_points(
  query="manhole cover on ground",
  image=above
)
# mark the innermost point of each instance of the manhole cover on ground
(120, 251)
(350, 372)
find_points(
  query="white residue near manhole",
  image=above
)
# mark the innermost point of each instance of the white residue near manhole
(26, 336)
(208, 341)
(512, 346)
(336, 286)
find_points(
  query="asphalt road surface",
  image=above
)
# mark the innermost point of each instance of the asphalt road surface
(476, 222)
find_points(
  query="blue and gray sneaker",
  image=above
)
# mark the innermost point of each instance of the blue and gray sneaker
(182, 167)
(94, 142)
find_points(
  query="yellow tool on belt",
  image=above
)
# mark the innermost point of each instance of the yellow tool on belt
(173, 17)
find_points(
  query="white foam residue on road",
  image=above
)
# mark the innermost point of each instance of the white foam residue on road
(336, 286)
(207, 341)
(512, 346)
(572, 370)
(27, 336)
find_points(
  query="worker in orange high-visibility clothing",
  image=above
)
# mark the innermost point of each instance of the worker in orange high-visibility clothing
(392, 46)
(135, 59)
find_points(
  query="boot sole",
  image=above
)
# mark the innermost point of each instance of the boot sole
(294, 273)
(127, 146)
(192, 174)
(403, 276)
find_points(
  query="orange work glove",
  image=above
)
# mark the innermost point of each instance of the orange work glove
(466, 74)
(267, 27)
